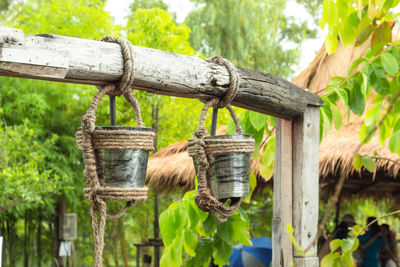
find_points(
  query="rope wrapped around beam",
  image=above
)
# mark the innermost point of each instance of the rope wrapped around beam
(93, 140)
(203, 150)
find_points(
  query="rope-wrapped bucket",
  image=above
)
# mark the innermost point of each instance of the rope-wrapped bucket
(229, 173)
(121, 154)
(222, 162)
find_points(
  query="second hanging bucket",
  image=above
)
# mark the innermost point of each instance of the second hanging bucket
(229, 173)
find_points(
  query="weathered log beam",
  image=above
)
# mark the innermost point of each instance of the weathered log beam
(74, 60)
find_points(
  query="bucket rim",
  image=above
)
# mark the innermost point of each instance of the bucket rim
(225, 136)
(129, 128)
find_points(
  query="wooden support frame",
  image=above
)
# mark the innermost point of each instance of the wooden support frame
(296, 179)
(74, 60)
(296, 186)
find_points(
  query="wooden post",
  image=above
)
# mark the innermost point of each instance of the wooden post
(282, 252)
(306, 184)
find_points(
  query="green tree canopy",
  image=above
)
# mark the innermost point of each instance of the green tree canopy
(250, 33)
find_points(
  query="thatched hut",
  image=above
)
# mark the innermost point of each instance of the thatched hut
(339, 146)
(171, 167)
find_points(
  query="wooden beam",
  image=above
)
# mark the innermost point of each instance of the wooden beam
(74, 60)
(306, 184)
(282, 249)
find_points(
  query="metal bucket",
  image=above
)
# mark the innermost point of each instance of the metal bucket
(125, 168)
(230, 173)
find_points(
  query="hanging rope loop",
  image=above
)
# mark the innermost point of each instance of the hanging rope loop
(92, 141)
(234, 79)
(204, 152)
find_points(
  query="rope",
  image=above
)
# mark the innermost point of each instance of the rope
(117, 139)
(203, 149)
(92, 140)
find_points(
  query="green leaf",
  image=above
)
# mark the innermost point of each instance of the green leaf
(381, 35)
(335, 82)
(330, 12)
(330, 260)
(373, 115)
(203, 255)
(225, 231)
(167, 226)
(269, 152)
(166, 258)
(210, 224)
(348, 244)
(253, 184)
(192, 214)
(331, 42)
(355, 231)
(396, 127)
(366, 133)
(394, 143)
(337, 116)
(357, 162)
(355, 244)
(347, 259)
(355, 64)
(221, 252)
(181, 216)
(202, 215)
(369, 163)
(346, 34)
(327, 116)
(372, 12)
(190, 242)
(241, 232)
(177, 248)
(389, 63)
(343, 95)
(258, 120)
(363, 30)
(379, 80)
(266, 171)
(383, 132)
(342, 9)
(231, 127)
(335, 244)
(356, 98)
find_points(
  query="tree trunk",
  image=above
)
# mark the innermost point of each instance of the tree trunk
(61, 208)
(124, 249)
(11, 240)
(39, 238)
(156, 226)
(26, 239)
(115, 243)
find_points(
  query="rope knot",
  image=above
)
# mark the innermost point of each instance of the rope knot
(234, 78)
(124, 85)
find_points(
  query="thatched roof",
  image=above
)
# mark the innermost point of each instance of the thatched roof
(171, 167)
(338, 147)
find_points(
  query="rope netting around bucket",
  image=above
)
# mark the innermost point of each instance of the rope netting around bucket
(92, 141)
(204, 151)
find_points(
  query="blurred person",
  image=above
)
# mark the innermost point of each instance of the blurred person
(385, 257)
(371, 243)
(341, 232)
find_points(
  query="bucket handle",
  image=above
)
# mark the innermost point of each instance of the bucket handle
(89, 119)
